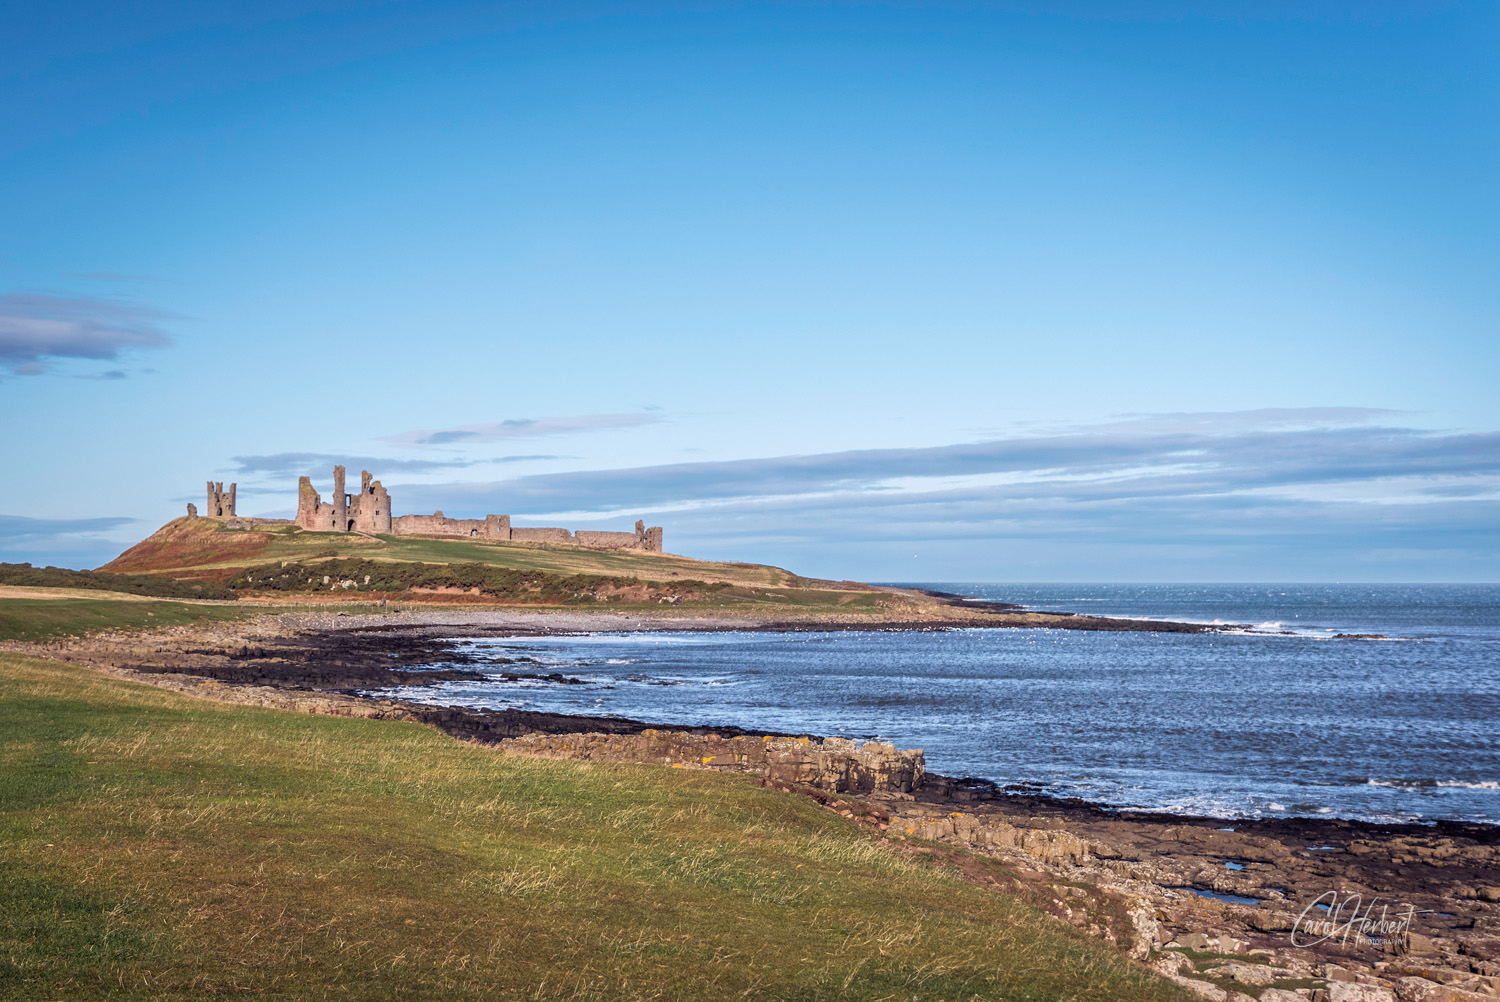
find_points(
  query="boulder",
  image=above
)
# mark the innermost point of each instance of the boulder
(1146, 932)
(1347, 991)
(1202, 988)
(1413, 989)
(1228, 944)
(1055, 846)
(1418, 943)
(1422, 990)
(1255, 975)
(1270, 920)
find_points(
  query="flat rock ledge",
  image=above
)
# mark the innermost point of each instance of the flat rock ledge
(833, 764)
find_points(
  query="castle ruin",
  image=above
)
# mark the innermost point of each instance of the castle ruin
(220, 501)
(367, 511)
(370, 511)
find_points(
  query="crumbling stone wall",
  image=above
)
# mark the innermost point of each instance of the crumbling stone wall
(315, 515)
(835, 764)
(370, 510)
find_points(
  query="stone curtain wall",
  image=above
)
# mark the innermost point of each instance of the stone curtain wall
(438, 524)
(834, 764)
(542, 535)
(607, 540)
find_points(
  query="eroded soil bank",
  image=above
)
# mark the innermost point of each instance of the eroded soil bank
(1222, 906)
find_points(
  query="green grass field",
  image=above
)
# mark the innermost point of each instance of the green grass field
(41, 618)
(153, 846)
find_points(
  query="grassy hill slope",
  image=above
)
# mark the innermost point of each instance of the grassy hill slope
(261, 561)
(154, 846)
(207, 548)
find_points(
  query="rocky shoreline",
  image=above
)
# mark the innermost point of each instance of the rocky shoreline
(1224, 907)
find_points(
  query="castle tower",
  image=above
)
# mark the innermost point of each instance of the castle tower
(340, 501)
(220, 502)
(648, 539)
(370, 510)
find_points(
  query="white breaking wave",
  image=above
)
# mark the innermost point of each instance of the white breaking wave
(1457, 784)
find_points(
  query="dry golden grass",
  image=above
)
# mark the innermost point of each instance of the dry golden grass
(22, 591)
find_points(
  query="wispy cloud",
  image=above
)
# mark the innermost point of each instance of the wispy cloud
(1077, 466)
(69, 542)
(110, 276)
(35, 328)
(320, 463)
(1312, 479)
(495, 431)
(19, 528)
(317, 463)
(1260, 418)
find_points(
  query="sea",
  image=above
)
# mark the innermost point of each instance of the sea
(1276, 717)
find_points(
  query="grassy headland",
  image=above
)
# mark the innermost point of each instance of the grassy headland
(160, 847)
(268, 562)
(209, 549)
(264, 562)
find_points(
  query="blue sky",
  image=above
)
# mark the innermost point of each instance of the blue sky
(967, 291)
